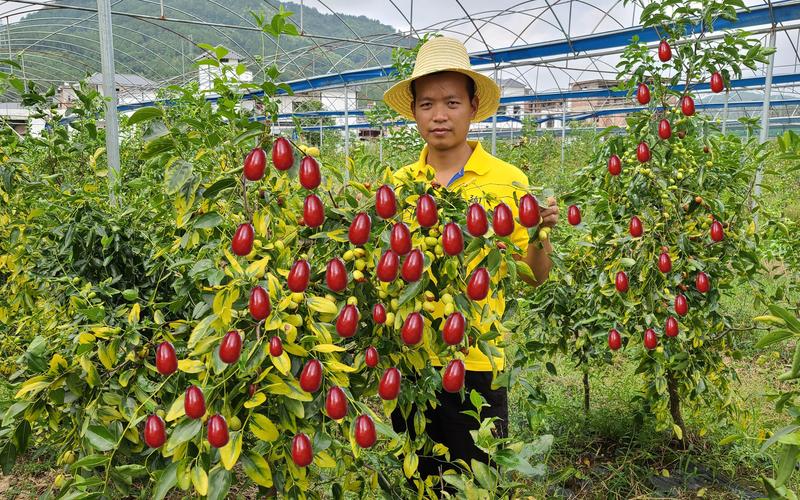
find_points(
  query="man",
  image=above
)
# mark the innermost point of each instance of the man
(443, 95)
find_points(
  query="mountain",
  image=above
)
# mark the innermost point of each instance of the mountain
(62, 44)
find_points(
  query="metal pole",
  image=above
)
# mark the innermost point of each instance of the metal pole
(301, 16)
(725, 111)
(346, 135)
(765, 117)
(563, 130)
(110, 93)
(380, 146)
(494, 123)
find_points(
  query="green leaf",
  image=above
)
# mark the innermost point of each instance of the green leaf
(263, 428)
(410, 464)
(221, 185)
(209, 220)
(484, 474)
(166, 481)
(791, 321)
(90, 462)
(144, 114)
(177, 176)
(257, 469)
(773, 338)
(229, 454)
(183, 432)
(100, 438)
(219, 482)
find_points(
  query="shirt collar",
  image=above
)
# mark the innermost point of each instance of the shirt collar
(477, 162)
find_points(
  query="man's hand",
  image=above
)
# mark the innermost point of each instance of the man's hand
(550, 214)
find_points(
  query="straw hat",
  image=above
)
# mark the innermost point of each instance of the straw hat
(444, 54)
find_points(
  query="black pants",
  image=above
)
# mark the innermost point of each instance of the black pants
(447, 425)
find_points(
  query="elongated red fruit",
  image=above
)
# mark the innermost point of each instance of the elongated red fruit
(242, 242)
(311, 376)
(259, 304)
(371, 357)
(309, 174)
(365, 431)
(217, 431)
(664, 51)
(681, 306)
(231, 347)
(503, 220)
(336, 403)
(360, 228)
(154, 433)
(614, 340)
(275, 346)
(650, 339)
(299, 275)
(687, 105)
(400, 238)
(621, 282)
(643, 152)
(336, 275)
(385, 202)
(701, 282)
(389, 386)
(388, 265)
(347, 322)
(427, 214)
(452, 239)
(671, 327)
(194, 403)
(413, 326)
(166, 361)
(413, 265)
(717, 84)
(282, 155)
(529, 211)
(379, 314)
(478, 285)
(254, 164)
(574, 215)
(614, 165)
(635, 227)
(302, 453)
(313, 211)
(664, 262)
(717, 233)
(642, 94)
(477, 222)
(664, 129)
(453, 377)
(453, 330)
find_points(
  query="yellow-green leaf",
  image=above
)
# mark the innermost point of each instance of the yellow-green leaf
(336, 366)
(229, 454)
(176, 410)
(410, 464)
(282, 363)
(33, 385)
(322, 305)
(86, 338)
(256, 400)
(328, 348)
(133, 316)
(92, 377)
(191, 366)
(324, 460)
(263, 428)
(678, 431)
(234, 263)
(257, 469)
(257, 267)
(200, 481)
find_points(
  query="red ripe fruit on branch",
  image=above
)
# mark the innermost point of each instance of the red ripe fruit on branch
(275, 346)
(717, 232)
(365, 431)
(478, 285)
(664, 129)
(642, 94)
(360, 228)
(166, 361)
(194, 404)
(427, 214)
(347, 322)
(671, 327)
(400, 238)
(336, 403)
(529, 210)
(503, 220)
(388, 266)
(242, 242)
(371, 357)
(217, 431)
(681, 306)
(717, 85)
(614, 165)
(453, 377)
(574, 215)
(453, 330)
(254, 164)
(452, 239)
(336, 275)
(154, 433)
(379, 314)
(664, 263)
(477, 223)
(412, 329)
(614, 340)
(282, 155)
(231, 347)
(313, 211)
(389, 386)
(311, 376)
(299, 275)
(309, 174)
(302, 453)
(687, 105)
(259, 305)
(664, 51)
(635, 227)
(650, 339)
(702, 283)
(412, 267)
(621, 282)
(385, 202)
(643, 152)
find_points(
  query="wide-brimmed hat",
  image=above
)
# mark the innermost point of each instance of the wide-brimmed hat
(444, 54)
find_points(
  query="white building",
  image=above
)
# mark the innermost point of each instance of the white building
(131, 89)
(206, 73)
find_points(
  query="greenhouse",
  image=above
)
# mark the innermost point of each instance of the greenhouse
(399, 249)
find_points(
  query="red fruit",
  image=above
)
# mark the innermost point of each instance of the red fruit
(251, 390)
(242, 242)
(254, 164)
(217, 431)
(309, 173)
(389, 386)
(478, 286)
(529, 211)
(642, 94)
(716, 231)
(664, 129)
(360, 228)
(412, 267)
(371, 357)
(313, 211)
(302, 454)
(194, 404)
(503, 220)
(400, 239)
(574, 215)
(275, 346)
(282, 155)
(687, 105)
(385, 202)
(452, 239)
(681, 307)
(701, 282)
(650, 339)
(412, 329)
(336, 403)
(427, 215)
(259, 303)
(166, 361)
(621, 282)
(635, 227)
(643, 152)
(387, 266)
(664, 51)
(154, 433)
(299, 275)
(311, 376)
(716, 82)
(379, 314)
(453, 330)
(336, 275)
(231, 347)
(365, 431)
(453, 377)
(477, 223)
(614, 340)
(671, 328)
(347, 322)
(664, 263)
(614, 165)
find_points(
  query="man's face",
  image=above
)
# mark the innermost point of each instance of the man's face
(443, 109)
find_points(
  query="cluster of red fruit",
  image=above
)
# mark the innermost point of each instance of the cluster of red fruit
(636, 228)
(336, 280)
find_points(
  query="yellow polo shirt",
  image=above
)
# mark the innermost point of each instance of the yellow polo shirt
(483, 175)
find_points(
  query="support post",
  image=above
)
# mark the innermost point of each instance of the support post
(110, 94)
(725, 111)
(494, 122)
(764, 119)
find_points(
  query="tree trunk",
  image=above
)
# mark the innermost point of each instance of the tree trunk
(675, 405)
(586, 392)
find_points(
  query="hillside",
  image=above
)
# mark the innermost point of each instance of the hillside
(62, 45)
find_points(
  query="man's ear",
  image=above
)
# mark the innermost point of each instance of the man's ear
(474, 103)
